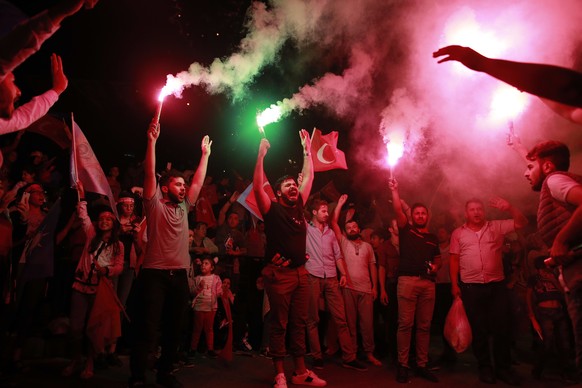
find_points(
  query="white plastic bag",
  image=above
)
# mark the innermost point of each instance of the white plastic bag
(457, 327)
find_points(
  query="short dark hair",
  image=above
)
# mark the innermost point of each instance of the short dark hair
(418, 204)
(168, 176)
(474, 200)
(553, 151)
(351, 220)
(280, 181)
(316, 203)
(198, 224)
(382, 233)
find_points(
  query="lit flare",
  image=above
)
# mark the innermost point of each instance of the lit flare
(269, 115)
(173, 85)
(395, 150)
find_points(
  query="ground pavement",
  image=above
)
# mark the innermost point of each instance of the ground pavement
(252, 370)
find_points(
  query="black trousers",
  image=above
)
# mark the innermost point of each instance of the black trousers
(160, 306)
(487, 307)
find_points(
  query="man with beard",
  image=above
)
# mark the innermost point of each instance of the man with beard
(162, 283)
(475, 255)
(324, 257)
(284, 275)
(361, 289)
(419, 262)
(560, 222)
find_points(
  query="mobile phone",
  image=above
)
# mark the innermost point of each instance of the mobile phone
(25, 197)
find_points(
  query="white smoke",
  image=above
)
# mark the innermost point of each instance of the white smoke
(391, 84)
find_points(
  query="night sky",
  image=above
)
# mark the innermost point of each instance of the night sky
(360, 67)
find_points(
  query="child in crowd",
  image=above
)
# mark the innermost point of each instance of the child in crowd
(102, 259)
(223, 319)
(207, 288)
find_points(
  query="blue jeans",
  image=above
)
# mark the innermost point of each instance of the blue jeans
(415, 304)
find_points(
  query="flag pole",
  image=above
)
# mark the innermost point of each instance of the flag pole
(74, 151)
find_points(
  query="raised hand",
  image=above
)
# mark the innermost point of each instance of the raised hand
(305, 141)
(392, 184)
(206, 145)
(467, 56)
(342, 200)
(60, 81)
(499, 203)
(263, 147)
(153, 131)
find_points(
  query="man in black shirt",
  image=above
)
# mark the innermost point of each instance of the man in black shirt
(285, 276)
(419, 262)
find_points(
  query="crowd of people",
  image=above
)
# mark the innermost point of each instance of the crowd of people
(181, 257)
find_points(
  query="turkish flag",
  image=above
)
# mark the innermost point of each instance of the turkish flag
(324, 152)
(248, 200)
(204, 212)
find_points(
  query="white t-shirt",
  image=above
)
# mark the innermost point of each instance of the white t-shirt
(560, 185)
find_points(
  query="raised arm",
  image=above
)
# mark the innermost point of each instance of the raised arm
(225, 207)
(307, 171)
(200, 174)
(27, 37)
(263, 200)
(60, 81)
(401, 219)
(149, 182)
(571, 113)
(336, 215)
(552, 82)
(519, 220)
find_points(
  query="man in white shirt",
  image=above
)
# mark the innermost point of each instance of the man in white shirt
(477, 277)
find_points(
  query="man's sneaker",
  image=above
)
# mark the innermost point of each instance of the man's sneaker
(355, 364)
(189, 363)
(508, 376)
(168, 381)
(113, 360)
(426, 374)
(266, 353)
(308, 378)
(402, 374)
(211, 354)
(100, 362)
(134, 383)
(318, 363)
(245, 344)
(486, 375)
(280, 381)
